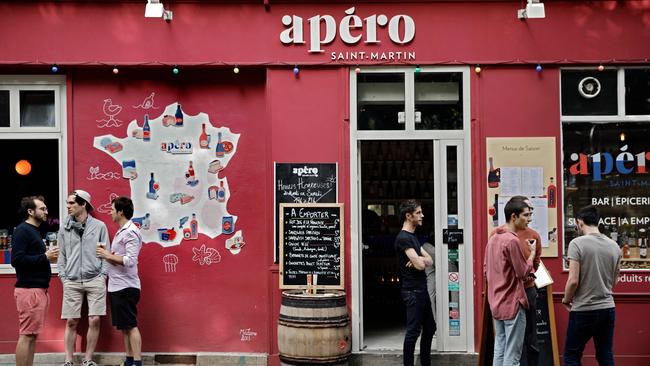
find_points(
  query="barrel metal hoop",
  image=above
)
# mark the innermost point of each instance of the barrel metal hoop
(343, 319)
(313, 303)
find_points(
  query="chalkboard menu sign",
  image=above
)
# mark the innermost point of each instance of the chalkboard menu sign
(546, 338)
(546, 334)
(311, 244)
(303, 183)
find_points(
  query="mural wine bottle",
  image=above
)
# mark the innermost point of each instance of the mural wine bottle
(146, 130)
(494, 175)
(551, 191)
(204, 141)
(190, 171)
(179, 116)
(194, 227)
(219, 150)
(643, 248)
(221, 192)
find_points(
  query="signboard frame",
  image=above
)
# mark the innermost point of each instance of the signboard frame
(277, 200)
(340, 206)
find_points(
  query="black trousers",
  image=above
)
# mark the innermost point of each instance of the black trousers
(419, 319)
(530, 348)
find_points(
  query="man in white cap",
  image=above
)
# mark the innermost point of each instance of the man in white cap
(82, 273)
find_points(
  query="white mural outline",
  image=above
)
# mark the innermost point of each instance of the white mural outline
(170, 261)
(110, 110)
(164, 184)
(235, 243)
(205, 255)
(95, 174)
(147, 103)
(106, 207)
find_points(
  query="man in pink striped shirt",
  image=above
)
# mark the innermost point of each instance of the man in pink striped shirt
(123, 280)
(506, 269)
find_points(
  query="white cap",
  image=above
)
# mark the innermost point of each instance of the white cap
(85, 196)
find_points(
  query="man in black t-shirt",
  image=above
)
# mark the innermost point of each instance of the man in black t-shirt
(31, 259)
(412, 261)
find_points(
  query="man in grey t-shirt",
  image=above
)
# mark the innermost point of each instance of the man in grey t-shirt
(594, 263)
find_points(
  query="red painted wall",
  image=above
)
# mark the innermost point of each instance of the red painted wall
(214, 33)
(518, 102)
(284, 118)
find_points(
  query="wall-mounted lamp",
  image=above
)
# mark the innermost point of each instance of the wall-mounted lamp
(534, 10)
(155, 9)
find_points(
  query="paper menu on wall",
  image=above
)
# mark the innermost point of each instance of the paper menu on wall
(527, 181)
(539, 221)
(543, 277)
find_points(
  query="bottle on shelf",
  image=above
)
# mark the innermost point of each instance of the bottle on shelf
(643, 248)
(626, 251)
(146, 129)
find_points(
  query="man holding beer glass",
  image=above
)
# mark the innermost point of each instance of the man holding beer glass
(82, 273)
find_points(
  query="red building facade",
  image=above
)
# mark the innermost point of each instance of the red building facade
(313, 84)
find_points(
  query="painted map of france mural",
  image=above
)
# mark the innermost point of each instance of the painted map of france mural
(175, 165)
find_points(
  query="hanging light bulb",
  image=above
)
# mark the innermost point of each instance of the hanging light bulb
(538, 68)
(622, 136)
(236, 70)
(296, 70)
(176, 70)
(357, 69)
(417, 68)
(477, 69)
(601, 67)
(55, 68)
(116, 70)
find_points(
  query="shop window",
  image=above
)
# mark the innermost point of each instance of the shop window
(637, 91)
(606, 164)
(33, 162)
(589, 93)
(37, 108)
(4, 108)
(438, 101)
(380, 101)
(410, 99)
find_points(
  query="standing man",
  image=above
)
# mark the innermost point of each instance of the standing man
(525, 236)
(123, 280)
(32, 263)
(594, 263)
(82, 273)
(506, 269)
(412, 262)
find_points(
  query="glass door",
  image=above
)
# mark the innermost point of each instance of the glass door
(455, 316)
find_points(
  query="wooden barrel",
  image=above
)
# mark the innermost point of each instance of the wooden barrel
(314, 329)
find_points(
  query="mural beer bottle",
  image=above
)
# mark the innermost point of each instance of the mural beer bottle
(146, 130)
(179, 116)
(219, 150)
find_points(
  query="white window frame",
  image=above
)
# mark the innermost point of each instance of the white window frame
(620, 117)
(463, 137)
(56, 83)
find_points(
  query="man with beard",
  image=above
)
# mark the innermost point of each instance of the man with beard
(31, 259)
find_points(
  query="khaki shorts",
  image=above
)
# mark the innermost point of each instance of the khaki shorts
(32, 304)
(73, 297)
